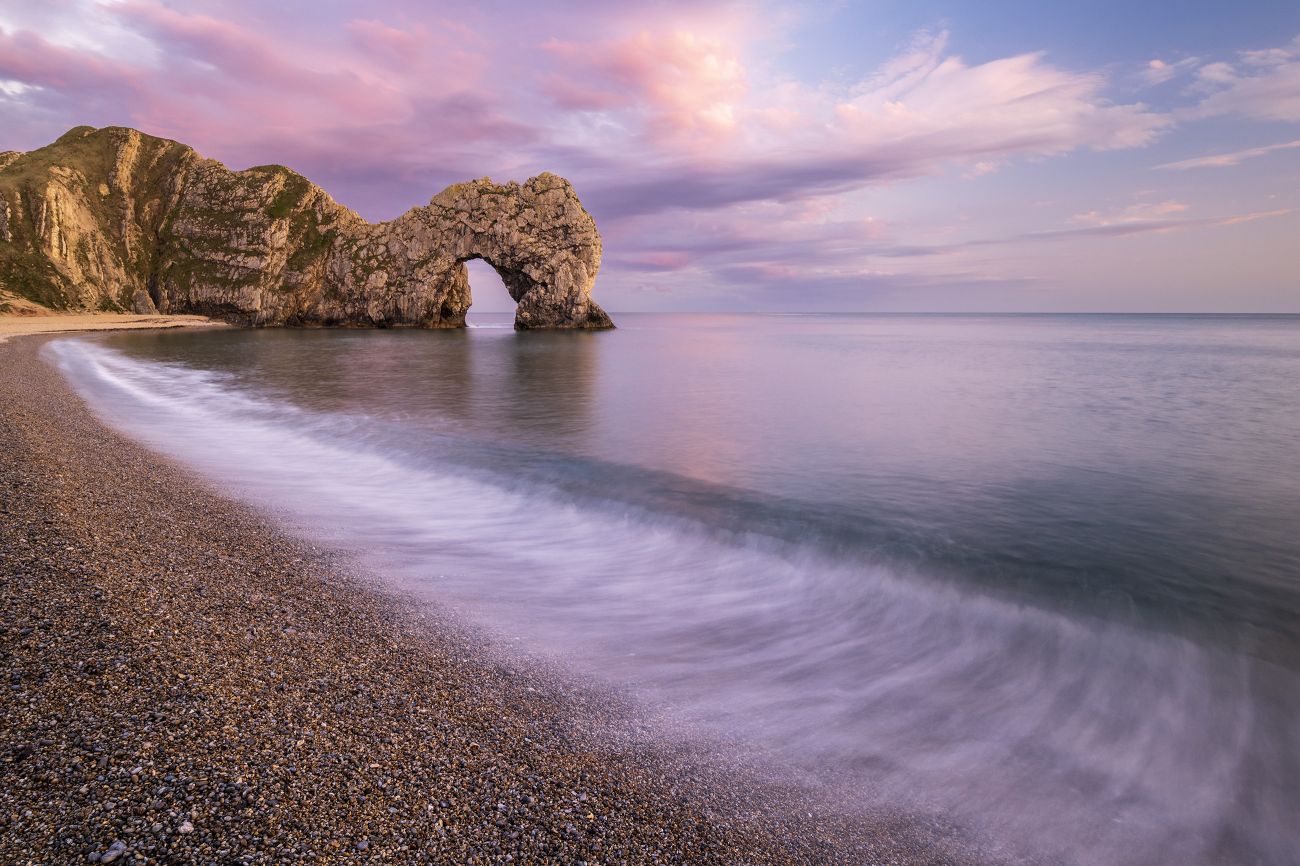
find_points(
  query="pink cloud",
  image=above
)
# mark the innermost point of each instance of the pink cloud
(1262, 84)
(27, 57)
(1016, 105)
(259, 76)
(1135, 213)
(1224, 160)
(657, 261)
(1159, 71)
(739, 139)
(682, 82)
(389, 44)
(365, 106)
(1125, 227)
(570, 93)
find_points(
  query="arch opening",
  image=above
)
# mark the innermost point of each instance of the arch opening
(490, 299)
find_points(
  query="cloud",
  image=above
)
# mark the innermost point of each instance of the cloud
(1262, 84)
(1118, 226)
(1145, 226)
(1158, 71)
(1141, 212)
(1268, 56)
(916, 115)
(679, 82)
(1013, 106)
(14, 88)
(1212, 74)
(31, 60)
(390, 45)
(1223, 160)
(370, 110)
(844, 263)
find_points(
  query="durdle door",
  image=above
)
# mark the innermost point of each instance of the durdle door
(112, 219)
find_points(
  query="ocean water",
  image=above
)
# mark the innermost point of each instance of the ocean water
(1037, 574)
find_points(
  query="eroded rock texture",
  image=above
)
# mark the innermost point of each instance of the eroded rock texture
(114, 219)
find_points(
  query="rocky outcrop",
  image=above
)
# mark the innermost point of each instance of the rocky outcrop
(115, 219)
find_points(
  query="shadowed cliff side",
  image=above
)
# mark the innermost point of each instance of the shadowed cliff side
(112, 219)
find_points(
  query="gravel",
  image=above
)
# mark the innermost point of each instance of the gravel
(186, 683)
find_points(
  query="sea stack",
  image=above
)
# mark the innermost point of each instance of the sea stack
(113, 219)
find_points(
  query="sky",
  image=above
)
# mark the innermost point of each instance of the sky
(884, 155)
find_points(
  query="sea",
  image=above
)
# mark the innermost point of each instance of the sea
(1034, 575)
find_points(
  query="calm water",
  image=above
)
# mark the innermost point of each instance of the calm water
(1038, 573)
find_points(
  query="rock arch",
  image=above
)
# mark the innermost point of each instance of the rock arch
(537, 236)
(115, 219)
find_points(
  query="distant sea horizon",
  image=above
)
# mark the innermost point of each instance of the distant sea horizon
(924, 313)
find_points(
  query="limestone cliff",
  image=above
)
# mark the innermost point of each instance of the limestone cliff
(113, 219)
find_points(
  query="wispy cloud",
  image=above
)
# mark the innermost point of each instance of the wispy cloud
(1223, 160)
(1262, 84)
(1146, 226)
(1140, 212)
(1159, 71)
(1121, 228)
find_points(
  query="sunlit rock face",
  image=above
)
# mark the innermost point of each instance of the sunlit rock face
(114, 219)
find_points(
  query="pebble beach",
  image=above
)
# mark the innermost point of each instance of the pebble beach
(188, 683)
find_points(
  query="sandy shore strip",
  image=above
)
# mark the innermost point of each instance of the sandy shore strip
(188, 684)
(19, 325)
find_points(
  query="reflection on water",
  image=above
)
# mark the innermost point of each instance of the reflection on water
(537, 384)
(1040, 573)
(549, 382)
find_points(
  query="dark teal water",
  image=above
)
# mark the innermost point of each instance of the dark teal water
(1039, 573)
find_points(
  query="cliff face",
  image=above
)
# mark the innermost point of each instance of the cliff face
(114, 219)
